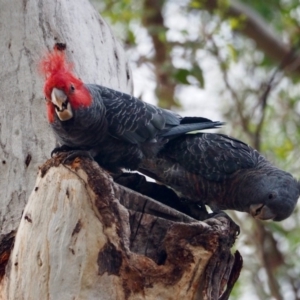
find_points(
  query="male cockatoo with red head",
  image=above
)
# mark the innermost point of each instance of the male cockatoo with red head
(118, 129)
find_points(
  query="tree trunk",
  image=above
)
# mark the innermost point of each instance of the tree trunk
(81, 235)
(27, 30)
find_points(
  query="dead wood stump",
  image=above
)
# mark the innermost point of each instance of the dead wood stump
(82, 236)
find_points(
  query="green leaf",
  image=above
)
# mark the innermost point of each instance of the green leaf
(185, 76)
(197, 73)
(232, 52)
(131, 37)
(181, 76)
(196, 4)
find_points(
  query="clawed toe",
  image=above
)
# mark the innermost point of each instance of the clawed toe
(62, 148)
(73, 153)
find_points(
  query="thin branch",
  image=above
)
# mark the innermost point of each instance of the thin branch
(269, 87)
(235, 97)
(265, 239)
(257, 29)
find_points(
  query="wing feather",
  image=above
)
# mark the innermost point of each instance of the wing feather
(213, 156)
(138, 122)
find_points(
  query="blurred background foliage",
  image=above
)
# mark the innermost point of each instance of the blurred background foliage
(242, 58)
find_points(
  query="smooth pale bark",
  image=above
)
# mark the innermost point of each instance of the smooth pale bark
(84, 237)
(27, 30)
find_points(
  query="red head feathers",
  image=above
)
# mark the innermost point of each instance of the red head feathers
(58, 74)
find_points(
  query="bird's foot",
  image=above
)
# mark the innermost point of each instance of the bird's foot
(62, 148)
(77, 153)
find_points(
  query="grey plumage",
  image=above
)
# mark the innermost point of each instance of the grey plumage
(121, 130)
(224, 173)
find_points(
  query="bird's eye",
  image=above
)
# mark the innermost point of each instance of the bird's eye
(72, 88)
(271, 196)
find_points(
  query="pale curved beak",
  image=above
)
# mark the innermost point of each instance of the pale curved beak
(61, 103)
(261, 212)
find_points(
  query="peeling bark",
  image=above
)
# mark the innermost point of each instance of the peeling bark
(83, 236)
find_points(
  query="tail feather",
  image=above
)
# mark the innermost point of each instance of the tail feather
(190, 120)
(186, 128)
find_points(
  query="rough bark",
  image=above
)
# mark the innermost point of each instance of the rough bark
(82, 236)
(28, 29)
